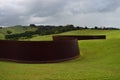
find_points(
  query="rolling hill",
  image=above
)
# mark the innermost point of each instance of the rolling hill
(99, 60)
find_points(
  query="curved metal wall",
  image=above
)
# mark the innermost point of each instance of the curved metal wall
(60, 49)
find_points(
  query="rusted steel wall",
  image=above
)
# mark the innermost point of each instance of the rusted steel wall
(78, 37)
(60, 49)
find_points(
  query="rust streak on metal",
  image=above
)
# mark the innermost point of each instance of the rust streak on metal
(62, 48)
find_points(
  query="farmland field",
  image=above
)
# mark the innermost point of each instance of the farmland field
(99, 60)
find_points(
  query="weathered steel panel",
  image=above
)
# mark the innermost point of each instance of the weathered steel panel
(60, 49)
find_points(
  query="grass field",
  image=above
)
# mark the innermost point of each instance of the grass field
(100, 60)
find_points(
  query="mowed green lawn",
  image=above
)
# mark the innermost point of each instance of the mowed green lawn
(100, 60)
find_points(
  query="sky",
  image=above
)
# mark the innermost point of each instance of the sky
(60, 12)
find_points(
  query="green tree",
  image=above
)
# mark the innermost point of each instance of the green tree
(9, 32)
(95, 27)
(32, 25)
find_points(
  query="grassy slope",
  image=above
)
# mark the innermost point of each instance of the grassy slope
(15, 30)
(99, 61)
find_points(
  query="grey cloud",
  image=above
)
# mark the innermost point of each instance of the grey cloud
(28, 9)
(51, 11)
(44, 8)
(92, 6)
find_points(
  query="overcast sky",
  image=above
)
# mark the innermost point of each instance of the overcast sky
(60, 12)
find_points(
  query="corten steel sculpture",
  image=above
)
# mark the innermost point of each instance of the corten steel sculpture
(60, 49)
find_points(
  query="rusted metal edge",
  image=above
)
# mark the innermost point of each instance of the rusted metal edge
(37, 62)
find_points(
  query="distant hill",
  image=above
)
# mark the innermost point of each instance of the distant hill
(109, 34)
(27, 32)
